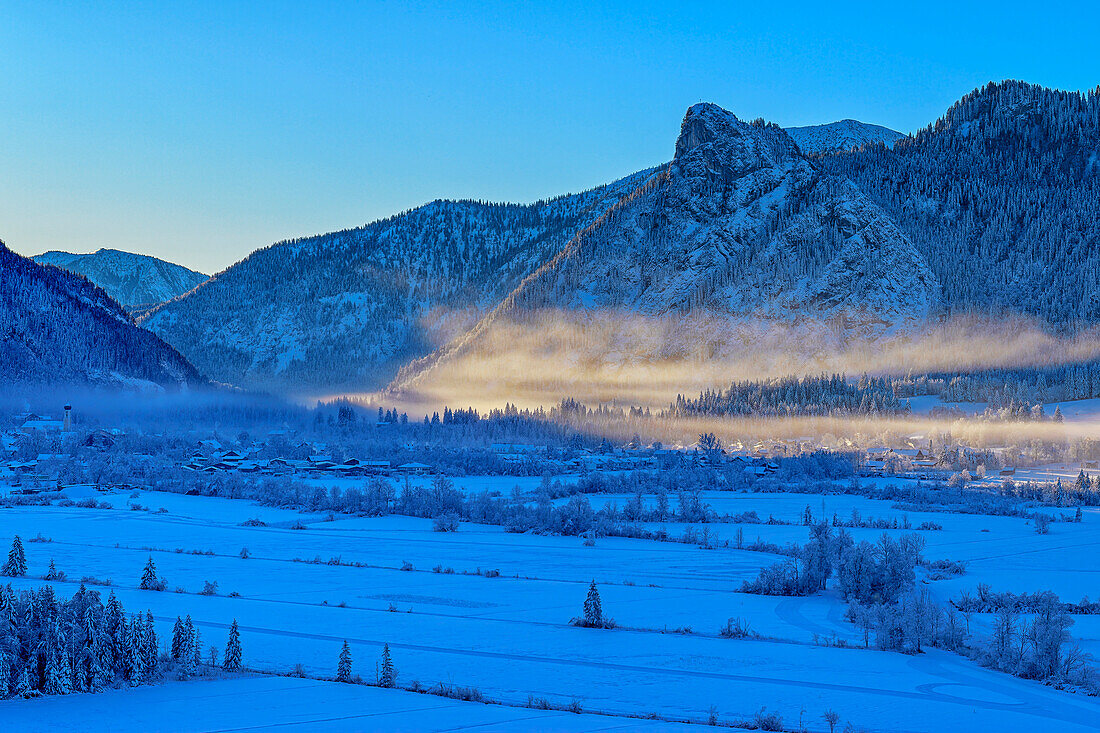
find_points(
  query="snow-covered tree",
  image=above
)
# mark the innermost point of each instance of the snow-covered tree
(343, 669)
(178, 639)
(16, 566)
(149, 579)
(593, 610)
(232, 661)
(387, 674)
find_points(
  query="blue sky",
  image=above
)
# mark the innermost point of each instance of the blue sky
(199, 132)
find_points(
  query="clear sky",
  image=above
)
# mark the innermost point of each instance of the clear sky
(200, 131)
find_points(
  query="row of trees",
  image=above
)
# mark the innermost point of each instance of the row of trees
(787, 396)
(50, 646)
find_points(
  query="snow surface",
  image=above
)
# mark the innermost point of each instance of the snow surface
(254, 703)
(510, 637)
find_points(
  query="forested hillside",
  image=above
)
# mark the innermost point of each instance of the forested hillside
(347, 309)
(1002, 197)
(59, 327)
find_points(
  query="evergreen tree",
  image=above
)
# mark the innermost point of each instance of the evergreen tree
(232, 661)
(149, 648)
(593, 611)
(343, 670)
(196, 647)
(387, 677)
(178, 633)
(16, 566)
(135, 632)
(188, 651)
(52, 573)
(114, 629)
(149, 579)
(53, 677)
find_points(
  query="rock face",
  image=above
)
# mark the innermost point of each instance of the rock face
(138, 282)
(841, 136)
(740, 223)
(57, 327)
(346, 310)
(739, 226)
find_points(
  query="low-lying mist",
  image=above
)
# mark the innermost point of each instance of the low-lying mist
(628, 359)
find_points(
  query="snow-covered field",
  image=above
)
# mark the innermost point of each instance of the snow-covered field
(510, 636)
(296, 704)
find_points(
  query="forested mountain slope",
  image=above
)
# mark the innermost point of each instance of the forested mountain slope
(136, 281)
(1002, 197)
(740, 225)
(345, 310)
(57, 327)
(841, 136)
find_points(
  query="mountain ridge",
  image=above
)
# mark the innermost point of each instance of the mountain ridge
(842, 135)
(136, 281)
(370, 298)
(58, 327)
(739, 225)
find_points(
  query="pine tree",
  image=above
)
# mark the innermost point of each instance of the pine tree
(135, 632)
(177, 639)
(149, 579)
(53, 677)
(196, 647)
(343, 670)
(387, 677)
(187, 650)
(593, 611)
(149, 648)
(16, 566)
(114, 628)
(52, 573)
(232, 661)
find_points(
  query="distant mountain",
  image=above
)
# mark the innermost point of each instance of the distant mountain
(57, 327)
(1002, 197)
(136, 281)
(740, 225)
(841, 136)
(347, 309)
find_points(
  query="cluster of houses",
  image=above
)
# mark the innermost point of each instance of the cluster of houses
(216, 460)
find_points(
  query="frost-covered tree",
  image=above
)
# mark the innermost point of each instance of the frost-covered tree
(149, 648)
(187, 649)
(149, 579)
(178, 639)
(343, 669)
(387, 674)
(16, 566)
(232, 662)
(593, 610)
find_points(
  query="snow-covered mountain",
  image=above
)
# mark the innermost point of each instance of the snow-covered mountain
(136, 281)
(740, 225)
(57, 327)
(347, 309)
(1002, 197)
(841, 136)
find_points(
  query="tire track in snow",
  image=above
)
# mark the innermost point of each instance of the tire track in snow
(1041, 708)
